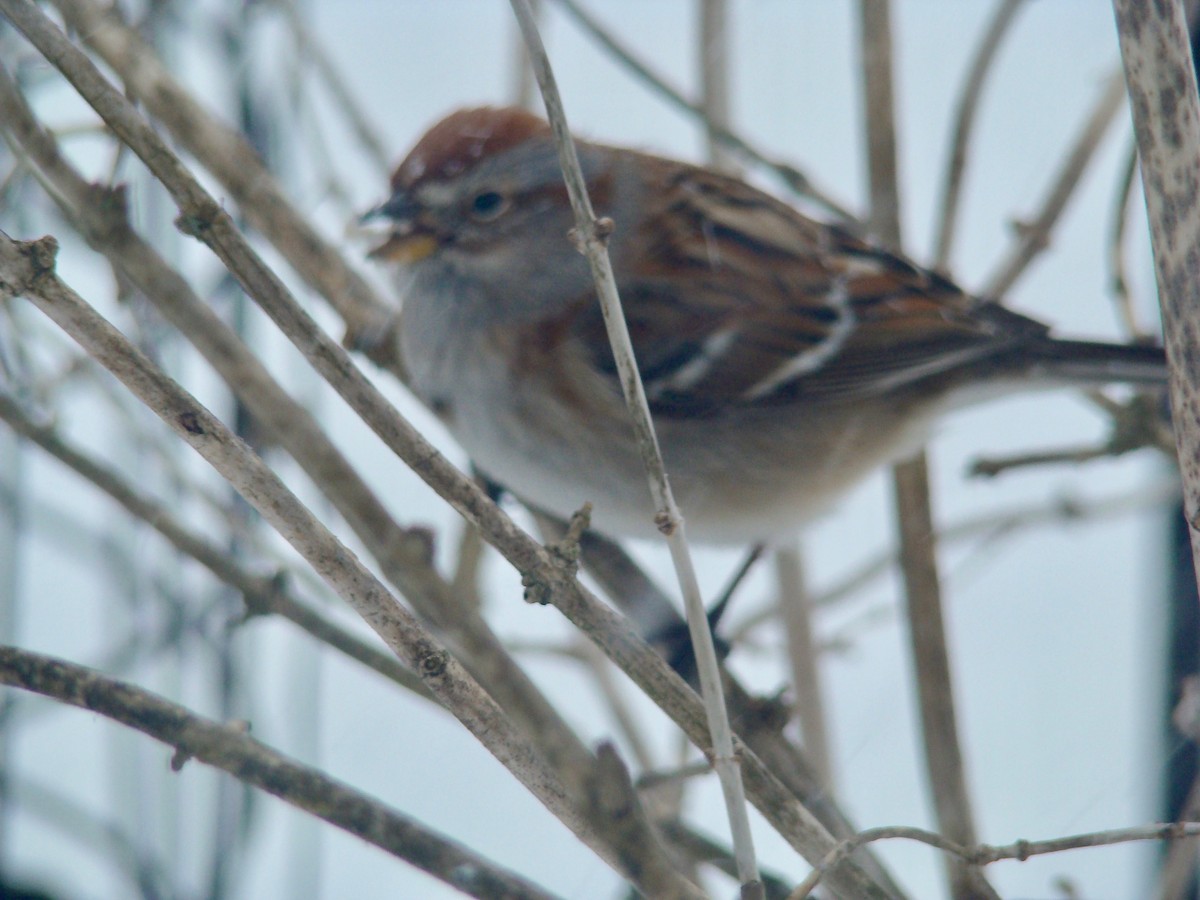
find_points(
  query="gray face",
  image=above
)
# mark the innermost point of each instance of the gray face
(499, 232)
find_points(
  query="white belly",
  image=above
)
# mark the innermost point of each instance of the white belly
(751, 475)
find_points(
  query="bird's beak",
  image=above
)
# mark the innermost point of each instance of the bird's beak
(398, 221)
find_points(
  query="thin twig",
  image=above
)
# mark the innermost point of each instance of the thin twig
(879, 119)
(591, 235)
(1033, 235)
(922, 588)
(622, 712)
(546, 578)
(468, 563)
(795, 180)
(311, 52)
(795, 609)
(987, 527)
(931, 663)
(524, 91)
(1118, 277)
(1177, 876)
(713, 59)
(964, 122)
(655, 779)
(403, 554)
(991, 466)
(701, 848)
(28, 270)
(231, 749)
(984, 854)
(760, 723)
(228, 156)
(262, 595)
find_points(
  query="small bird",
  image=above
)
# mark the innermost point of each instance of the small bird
(783, 358)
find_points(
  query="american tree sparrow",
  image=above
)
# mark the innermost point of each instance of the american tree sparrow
(783, 358)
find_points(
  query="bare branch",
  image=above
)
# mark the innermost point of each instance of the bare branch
(964, 122)
(229, 748)
(468, 563)
(1156, 52)
(930, 656)
(931, 661)
(796, 180)
(1033, 235)
(703, 849)
(227, 155)
(524, 90)
(984, 854)
(545, 577)
(713, 60)
(591, 235)
(1118, 277)
(313, 53)
(403, 554)
(795, 609)
(28, 270)
(879, 110)
(622, 712)
(262, 595)
(760, 723)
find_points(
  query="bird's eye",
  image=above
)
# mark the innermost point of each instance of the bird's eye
(488, 205)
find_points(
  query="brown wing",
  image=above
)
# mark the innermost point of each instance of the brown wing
(779, 306)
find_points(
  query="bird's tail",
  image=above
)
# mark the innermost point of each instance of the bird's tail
(1096, 362)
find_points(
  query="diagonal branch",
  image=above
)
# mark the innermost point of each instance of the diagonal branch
(29, 270)
(591, 235)
(263, 595)
(230, 158)
(231, 749)
(403, 554)
(796, 180)
(1033, 235)
(1156, 52)
(546, 579)
(964, 121)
